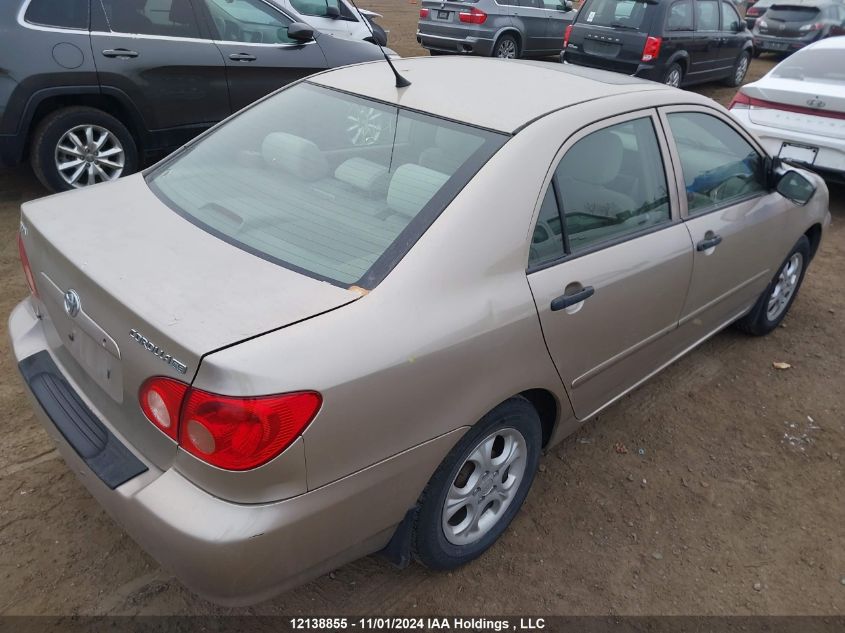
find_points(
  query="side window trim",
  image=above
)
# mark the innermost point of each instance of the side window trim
(550, 181)
(680, 184)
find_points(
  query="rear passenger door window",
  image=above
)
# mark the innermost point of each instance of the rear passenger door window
(719, 166)
(169, 18)
(706, 15)
(612, 185)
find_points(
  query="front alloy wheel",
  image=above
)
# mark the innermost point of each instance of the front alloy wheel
(785, 286)
(89, 154)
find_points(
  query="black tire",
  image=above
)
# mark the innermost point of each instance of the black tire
(739, 71)
(758, 321)
(506, 42)
(53, 128)
(674, 75)
(429, 542)
(379, 34)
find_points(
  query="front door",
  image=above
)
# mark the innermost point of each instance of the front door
(736, 223)
(260, 57)
(610, 260)
(733, 36)
(157, 54)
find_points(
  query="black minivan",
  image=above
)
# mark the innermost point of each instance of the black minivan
(676, 42)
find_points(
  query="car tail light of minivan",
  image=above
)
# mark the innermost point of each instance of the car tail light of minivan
(651, 50)
(473, 16)
(566, 35)
(424, 13)
(232, 433)
(27, 269)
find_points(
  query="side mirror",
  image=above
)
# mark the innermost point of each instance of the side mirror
(566, 5)
(332, 12)
(300, 32)
(793, 186)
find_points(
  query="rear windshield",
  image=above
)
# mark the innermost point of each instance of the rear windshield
(624, 14)
(792, 14)
(322, 182)
(813, 65)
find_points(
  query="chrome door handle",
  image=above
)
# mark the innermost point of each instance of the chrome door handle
(242, 57)
(120, 53)
(567, 301)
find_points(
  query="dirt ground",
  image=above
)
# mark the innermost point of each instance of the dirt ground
(729, 500)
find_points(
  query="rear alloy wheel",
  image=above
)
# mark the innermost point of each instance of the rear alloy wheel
(479, 487)
(674, 75)
(506, 47)
(774, 303)
(78, 147)
(739, 70)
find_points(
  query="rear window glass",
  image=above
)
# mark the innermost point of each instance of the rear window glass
(624, 14)
(813, 65)
(325, 183)
(67, 14)
(792, 14)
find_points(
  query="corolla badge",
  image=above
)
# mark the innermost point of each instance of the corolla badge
(151, 347)
(816, 103)
(73, 304)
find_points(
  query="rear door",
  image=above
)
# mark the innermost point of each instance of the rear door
(260, 58)
(735, 222)
(705, 62)
(610, 261)
(532, 20)
(158, 54)
(611, 34)
(733, 36)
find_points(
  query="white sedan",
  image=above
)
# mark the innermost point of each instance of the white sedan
(798, 109)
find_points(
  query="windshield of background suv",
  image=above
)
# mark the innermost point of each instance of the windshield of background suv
(792, 14)
(625, 14)
(812, 65)
(322, 182)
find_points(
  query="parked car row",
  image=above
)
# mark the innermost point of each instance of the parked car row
(99, 94)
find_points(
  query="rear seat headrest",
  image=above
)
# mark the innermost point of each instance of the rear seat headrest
(411, 187)
(363, 174)
(296, 155)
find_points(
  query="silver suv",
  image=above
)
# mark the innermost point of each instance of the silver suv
(508, 28)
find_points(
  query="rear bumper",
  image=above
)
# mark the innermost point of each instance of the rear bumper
(830, 159)
(654, 72)
(229, 553)
(471, 45)
(768, 43)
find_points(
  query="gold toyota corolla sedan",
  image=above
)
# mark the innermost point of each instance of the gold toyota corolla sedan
(349, 318)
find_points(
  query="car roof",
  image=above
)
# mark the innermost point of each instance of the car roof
(501, 95)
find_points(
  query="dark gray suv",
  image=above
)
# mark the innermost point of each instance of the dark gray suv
(507, 28)
(92, 89)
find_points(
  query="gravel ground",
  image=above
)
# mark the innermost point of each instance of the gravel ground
(735, 506)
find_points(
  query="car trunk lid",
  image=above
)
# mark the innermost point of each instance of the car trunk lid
(790, 101)
(152, 294)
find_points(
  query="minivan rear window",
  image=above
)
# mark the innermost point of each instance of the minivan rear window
(329, 184)
(792, 14)
(624, 14)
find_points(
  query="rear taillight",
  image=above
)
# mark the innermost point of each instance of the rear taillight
(27, 269)
(740, 102)
(161, 400)
(229, 432)
(424, 13)
(815, 26)
(473, 16)
(651, 50)
(566, 35)
(752, 11)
